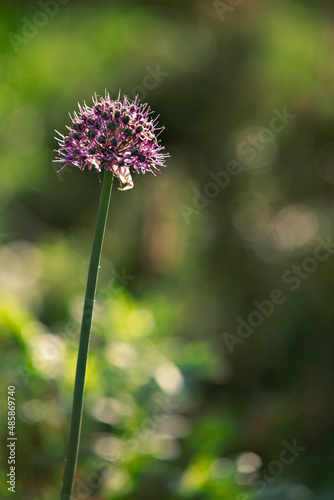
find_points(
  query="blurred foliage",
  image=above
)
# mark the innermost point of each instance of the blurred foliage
(170, 411)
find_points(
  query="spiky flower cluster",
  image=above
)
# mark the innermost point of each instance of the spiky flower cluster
(116, 135)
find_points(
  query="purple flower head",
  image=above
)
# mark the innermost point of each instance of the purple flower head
(115, 135)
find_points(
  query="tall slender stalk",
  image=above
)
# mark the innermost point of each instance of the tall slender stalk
(78, 397)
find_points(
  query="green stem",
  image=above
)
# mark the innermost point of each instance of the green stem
(74, 437)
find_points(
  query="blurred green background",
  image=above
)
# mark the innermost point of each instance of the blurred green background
(180, 402)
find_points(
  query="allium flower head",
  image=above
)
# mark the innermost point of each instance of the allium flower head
(118, 135)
